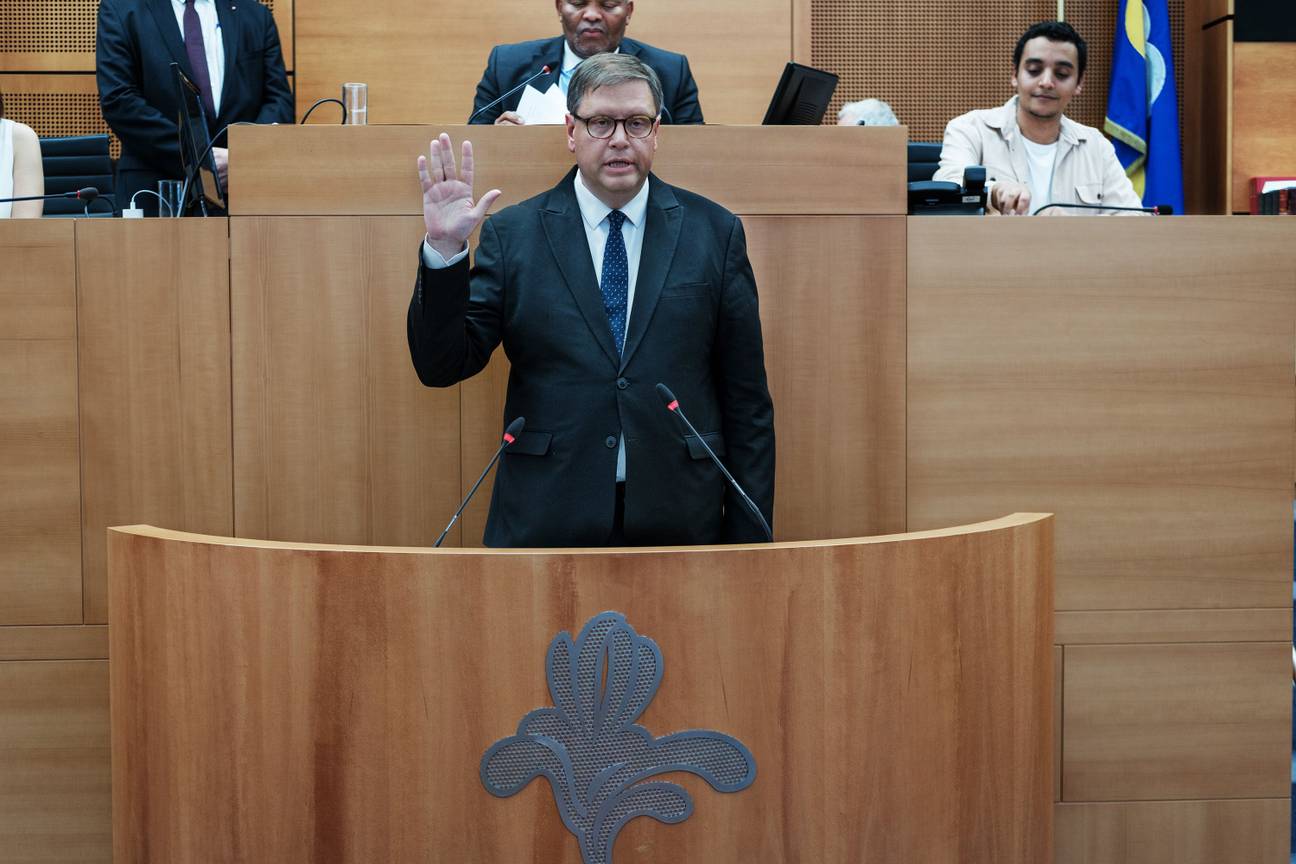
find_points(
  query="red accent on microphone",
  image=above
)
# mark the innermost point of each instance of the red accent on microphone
(508, 439)
(673, 405)
(544, 70)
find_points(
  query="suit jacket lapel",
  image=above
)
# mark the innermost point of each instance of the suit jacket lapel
(565, 233)
(164, 18)
(663, 221)
(551, 55)
(227, 15)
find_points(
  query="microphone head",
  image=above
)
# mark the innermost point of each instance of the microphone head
(87, 194)
(544, 70)
(667, 396)
(514, 430)
(1164, 210)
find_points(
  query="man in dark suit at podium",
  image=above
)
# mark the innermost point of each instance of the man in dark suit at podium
(599, 289)
(230, 49)
(589, 27)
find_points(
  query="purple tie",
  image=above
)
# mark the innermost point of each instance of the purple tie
(197, 52)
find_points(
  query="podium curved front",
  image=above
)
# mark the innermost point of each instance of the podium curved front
(284, 702)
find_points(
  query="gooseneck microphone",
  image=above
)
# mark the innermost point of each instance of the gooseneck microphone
(510, 435)
(1155, 210)
(85, 195)
(544, 70)
(673, 406)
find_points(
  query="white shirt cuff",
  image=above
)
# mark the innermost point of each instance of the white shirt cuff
(434, 260)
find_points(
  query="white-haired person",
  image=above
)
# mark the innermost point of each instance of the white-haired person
(21, 173)
(867, 112)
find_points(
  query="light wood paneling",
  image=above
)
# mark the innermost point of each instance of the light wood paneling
(423, 67)
(1207, 105)
(1264, 127)
(833, 318)
(153, 304)
(1249, 831)
(370, 170)
(54, 643)
(40, 554)
(55, 780)
(1059, 676)
(1157, 722)
(1173, 625)
(896, 693)
(335, 438)
(56, 105)
(1133, 376)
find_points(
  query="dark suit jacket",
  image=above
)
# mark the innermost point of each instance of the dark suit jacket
(510, 65)
(137, 42)
(694, 326)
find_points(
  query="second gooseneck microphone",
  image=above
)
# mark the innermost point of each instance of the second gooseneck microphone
(510, 435)
(672, 405)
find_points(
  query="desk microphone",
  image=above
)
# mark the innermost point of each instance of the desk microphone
(672, 405)
(510, 435)
(544, 70)
(85, 195)
(1155, 210)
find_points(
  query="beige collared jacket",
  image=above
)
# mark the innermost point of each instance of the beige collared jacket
(1086, 172)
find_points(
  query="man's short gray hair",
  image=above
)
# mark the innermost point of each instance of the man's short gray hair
(603, 70)
(867, 112)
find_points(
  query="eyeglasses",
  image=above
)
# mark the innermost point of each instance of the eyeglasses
(638, 126)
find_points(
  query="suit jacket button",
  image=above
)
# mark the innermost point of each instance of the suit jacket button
(611, 441)
(622, 383)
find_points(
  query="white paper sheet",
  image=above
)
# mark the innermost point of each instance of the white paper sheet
(538, 108)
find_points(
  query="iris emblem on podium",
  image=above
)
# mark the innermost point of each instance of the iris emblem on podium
(597, 759)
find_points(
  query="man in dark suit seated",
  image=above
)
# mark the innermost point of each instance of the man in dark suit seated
(589, 27)
(599, 289)
(230, 49)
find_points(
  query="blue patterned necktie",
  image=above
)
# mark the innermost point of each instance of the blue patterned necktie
(615, 283)
(197, 51)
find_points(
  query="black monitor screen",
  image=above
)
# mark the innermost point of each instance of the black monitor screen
(195, 141)
(801, 97)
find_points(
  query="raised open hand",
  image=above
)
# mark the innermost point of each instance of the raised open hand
(449, 214)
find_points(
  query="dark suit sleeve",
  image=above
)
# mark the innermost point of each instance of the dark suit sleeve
(276, 97)
(455, 316)
(686, 109)
(745, 404)
(488, 90)
(143, 130)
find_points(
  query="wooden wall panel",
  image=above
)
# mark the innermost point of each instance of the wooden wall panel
(1264, 130)
(153, 305)
(1143, 394)
(1159, 722)
(1247, 831)
(1207, 100)
(40, 505)
(335, 170)
(423, 67)
(1173, 625)
(55, 779)
(335, 438)
(44, 642)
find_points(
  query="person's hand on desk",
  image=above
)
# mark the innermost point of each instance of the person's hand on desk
(1010, 198)
(449, 214)
(221, 155)
(510, 118)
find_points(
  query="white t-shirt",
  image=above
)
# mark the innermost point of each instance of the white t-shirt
(1040, 158)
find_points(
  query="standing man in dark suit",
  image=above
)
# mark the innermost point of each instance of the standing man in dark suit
(589, 27)
(600, 288)
(229, 48)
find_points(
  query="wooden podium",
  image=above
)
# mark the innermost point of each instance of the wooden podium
(283, 703)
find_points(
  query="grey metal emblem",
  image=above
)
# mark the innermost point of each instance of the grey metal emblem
(595, 756)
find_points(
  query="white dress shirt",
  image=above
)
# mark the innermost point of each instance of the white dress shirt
(570, 61)
(212, 43)
(594, 216)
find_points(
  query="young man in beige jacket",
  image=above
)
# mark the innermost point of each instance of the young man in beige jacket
(1033, 154)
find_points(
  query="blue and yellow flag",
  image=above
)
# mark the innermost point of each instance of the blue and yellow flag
(1142, 107)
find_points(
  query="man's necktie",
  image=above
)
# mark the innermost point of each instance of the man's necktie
(197, 52)
(615, 283)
